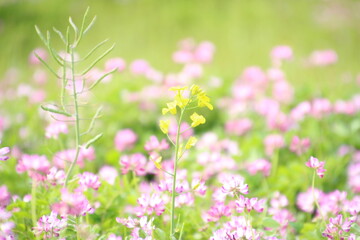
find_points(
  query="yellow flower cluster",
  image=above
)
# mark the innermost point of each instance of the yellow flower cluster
(196, 95)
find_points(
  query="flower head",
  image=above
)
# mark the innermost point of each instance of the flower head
(317, 165)
(125, 139)
(164, 126)
(75, 204)
(135, 162)
(197, 119)
(49, 226)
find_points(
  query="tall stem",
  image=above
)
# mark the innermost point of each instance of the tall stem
(314, 197)
(33, 203)
(77, 124)
(177, 145)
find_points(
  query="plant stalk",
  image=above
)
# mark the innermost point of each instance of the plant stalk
(77, 120)
(177, 145)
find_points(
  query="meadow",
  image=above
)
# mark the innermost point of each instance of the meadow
(144, 119)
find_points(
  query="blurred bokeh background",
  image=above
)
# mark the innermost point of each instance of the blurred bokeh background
(243, 31)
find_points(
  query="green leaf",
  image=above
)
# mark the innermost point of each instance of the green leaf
(40, 35)
(101, 78)
(60, 35)
(94, 49)
(56, 111)
(159, 234)
(98, 59)
(90, 25)
(93, 140)
(270, 223)
(46, 65)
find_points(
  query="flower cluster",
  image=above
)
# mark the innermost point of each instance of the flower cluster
(317, 165)
(75, 204)
(143, 224)
(49, 226)
(338, 227)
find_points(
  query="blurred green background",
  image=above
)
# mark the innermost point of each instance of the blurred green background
(243, 31)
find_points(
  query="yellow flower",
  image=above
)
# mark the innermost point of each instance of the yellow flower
(195, 89)
(204, 101)
(181, 101)
(197, 119)
(157, 162)
(191, 142)
(171, 107)
(164, 126)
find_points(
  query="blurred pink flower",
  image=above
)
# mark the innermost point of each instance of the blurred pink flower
(276, 74)
(299, 112)
(5, 196)
(54, 129)
(273, 142)
(279, 121)
(184, 199)
(62, 158)
(280, 53)
(248, 204)
(238, 127)
(255, 76)
(36, 166)
(55, 176)
(283, 92)
(260, 165)
(125, 139)
(135, 162)
(139, 67)
(234, 185)
(305, 200)
(144, 224)
(204, 52)
(320, 107)
(108, 174)
(323, 57)
(74, 204)
(154, 145)
(344, 107)
(216, 212)
(149, 204)
(354, 176)
(40, 76)
(115, 63)
(182, 56)
(299, 146)
(89, 180)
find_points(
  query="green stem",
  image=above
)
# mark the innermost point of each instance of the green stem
(33, 203)
(314, 197)
(177, 145)
(77, 122)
